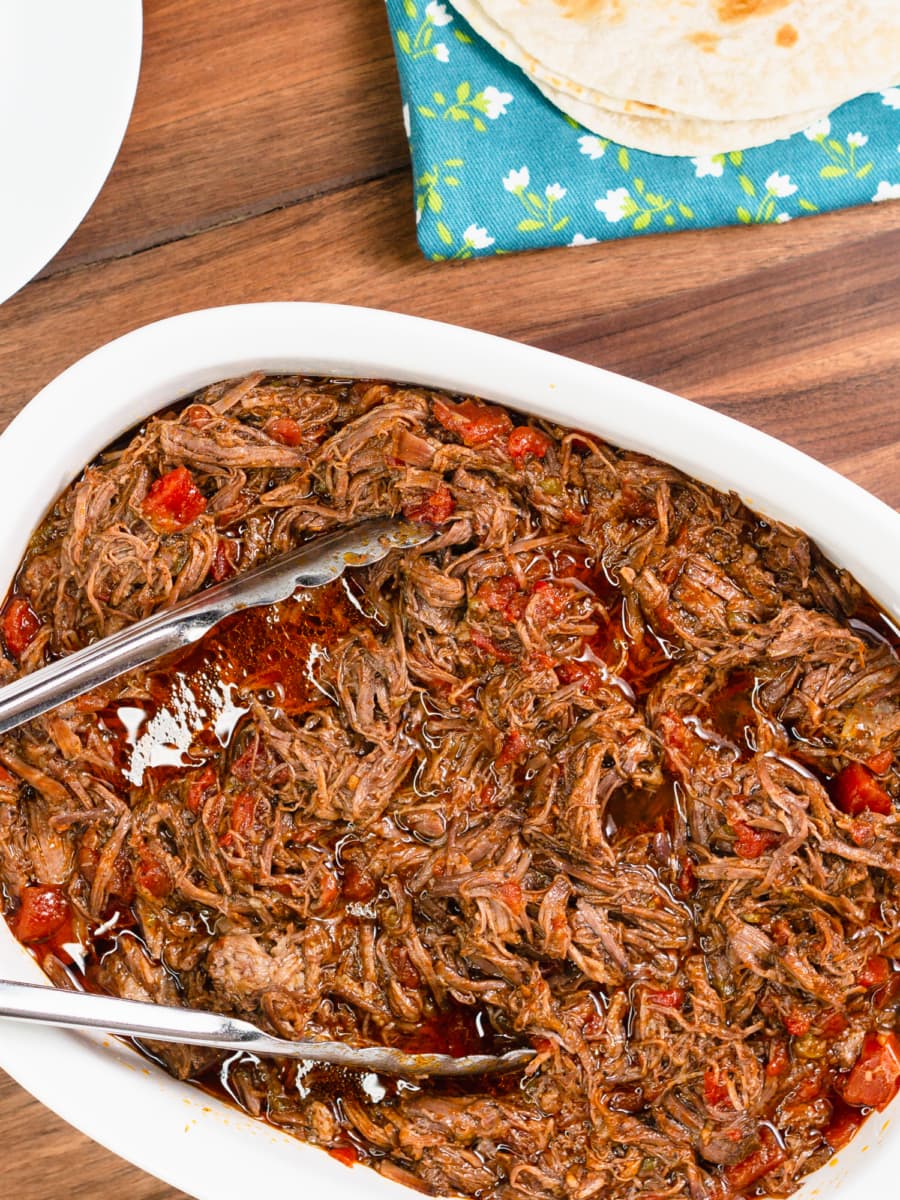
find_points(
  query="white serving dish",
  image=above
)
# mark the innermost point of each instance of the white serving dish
(168, 1128)
(68, 74)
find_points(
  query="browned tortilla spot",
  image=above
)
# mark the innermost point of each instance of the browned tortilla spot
(706, 41)
(786, 36)
(737, 10)
(583, 10)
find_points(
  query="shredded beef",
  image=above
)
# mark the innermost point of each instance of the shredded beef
(608, 767)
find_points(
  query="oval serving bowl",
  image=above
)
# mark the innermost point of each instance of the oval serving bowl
(102, 1087)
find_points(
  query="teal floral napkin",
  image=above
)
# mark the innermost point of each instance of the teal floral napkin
(497, 168)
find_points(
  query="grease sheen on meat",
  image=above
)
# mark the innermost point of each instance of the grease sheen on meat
(607, 767)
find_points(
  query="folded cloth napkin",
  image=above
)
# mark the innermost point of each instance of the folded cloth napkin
(498, 168)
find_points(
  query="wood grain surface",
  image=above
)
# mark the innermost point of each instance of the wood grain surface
(265, 160)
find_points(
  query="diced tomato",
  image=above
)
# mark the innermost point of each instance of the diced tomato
(855, 790)
(476, 424)
(833, 1025)
(875, 1078)
(588, 673)
(715, 1093)
(752, 843)
(779, 1060)
(686, 884)
(20, 626)
(243, 811)
(173, 502)
(510, 892)
(524, 441)
(348, 1155)
(880, 762)
(247, 763)
(781, 932)
(504, 596)
(402, 964)
(797, 1022)
(752, 1168)
(811, 1085)
(285, 430)
(862, 831)
(684, 747)
(43, 911)
(199, 788)
(515, 745)
(224, 563)
(197, 415)
(153, 876)
(673, 998)
(434, 508)
(358, 883)
(480, 642)
(876, 972)
(549, 599)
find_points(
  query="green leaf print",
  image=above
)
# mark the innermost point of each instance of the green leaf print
(444, 233)
(463, 107)
(429, 184)
(747, 185)
(539, 210)
(422, 43)
(744, 215)
(624, 160)
(736, 157)
(642, 220)
(841, 158)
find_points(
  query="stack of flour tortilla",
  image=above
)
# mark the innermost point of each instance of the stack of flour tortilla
(695, 76)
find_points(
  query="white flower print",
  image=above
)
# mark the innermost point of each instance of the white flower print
(441, 53)
(711, 164)
(887, 191)
(818, 129)
(592, 146)
(780, 185)
(437, 14)
(615, 205)
(856, 139)
(406, 124)
(580, 240)
(554, 191)
(477, 238)
(891, 97)
(516, 180)
(782, 217)
(495, 102)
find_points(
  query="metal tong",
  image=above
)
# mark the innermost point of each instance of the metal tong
(313, 565)
(133, 1018)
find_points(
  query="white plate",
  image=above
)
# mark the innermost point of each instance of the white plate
(68, 74)
(169, 1128)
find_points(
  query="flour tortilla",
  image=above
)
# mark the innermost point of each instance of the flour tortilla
(677, 135)
(724, 60)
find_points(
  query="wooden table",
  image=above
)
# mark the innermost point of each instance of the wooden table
(266, 160)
